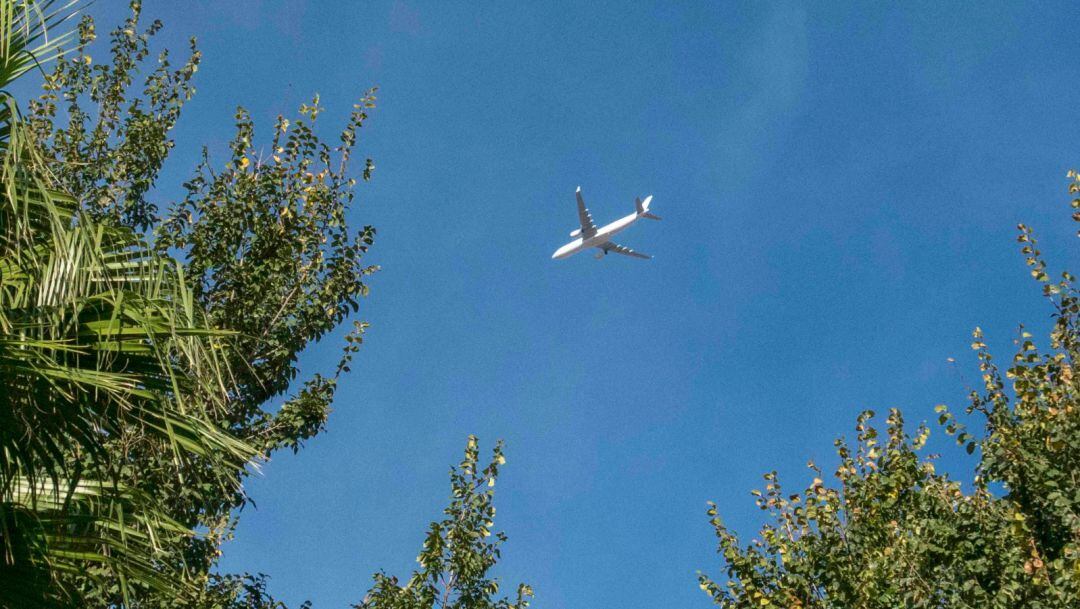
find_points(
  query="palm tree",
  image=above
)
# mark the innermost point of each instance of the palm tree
(102, 349)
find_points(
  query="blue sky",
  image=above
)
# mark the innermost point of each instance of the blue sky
(840, 185)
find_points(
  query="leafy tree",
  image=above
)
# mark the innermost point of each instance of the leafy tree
(458, 551)
(895, 533)
(273, 258)
(266, 246)
(238, 592)
(457, 556)
(267, 253)
(102, 349)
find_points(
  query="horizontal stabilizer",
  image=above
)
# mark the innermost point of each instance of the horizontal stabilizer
(643, 208)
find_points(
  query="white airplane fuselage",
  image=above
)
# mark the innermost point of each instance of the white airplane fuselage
(603, 235)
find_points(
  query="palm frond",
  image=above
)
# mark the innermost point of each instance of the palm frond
(81, 527)
(29, 37)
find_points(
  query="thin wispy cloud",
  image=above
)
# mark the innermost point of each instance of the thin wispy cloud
(404, 18)
(772, 76)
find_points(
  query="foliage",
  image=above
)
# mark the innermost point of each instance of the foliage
(266, 251)
(458, 552)
(265, 239)
(238, 592)
(272, 257)
(895, 533)
(102, 348)
(107, 145)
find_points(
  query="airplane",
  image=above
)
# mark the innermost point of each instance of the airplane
(590, 236)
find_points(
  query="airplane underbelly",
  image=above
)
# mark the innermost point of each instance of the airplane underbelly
(603, 237)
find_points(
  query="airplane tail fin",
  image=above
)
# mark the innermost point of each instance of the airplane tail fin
(643, 208)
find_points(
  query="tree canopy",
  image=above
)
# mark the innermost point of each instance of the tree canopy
(192, 314)
(459, 550)
(894, 532)
(103, 354)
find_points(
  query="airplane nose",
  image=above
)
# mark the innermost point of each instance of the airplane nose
(562, 252)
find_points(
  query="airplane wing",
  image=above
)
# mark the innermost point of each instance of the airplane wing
(588, 228)
(625, 251)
